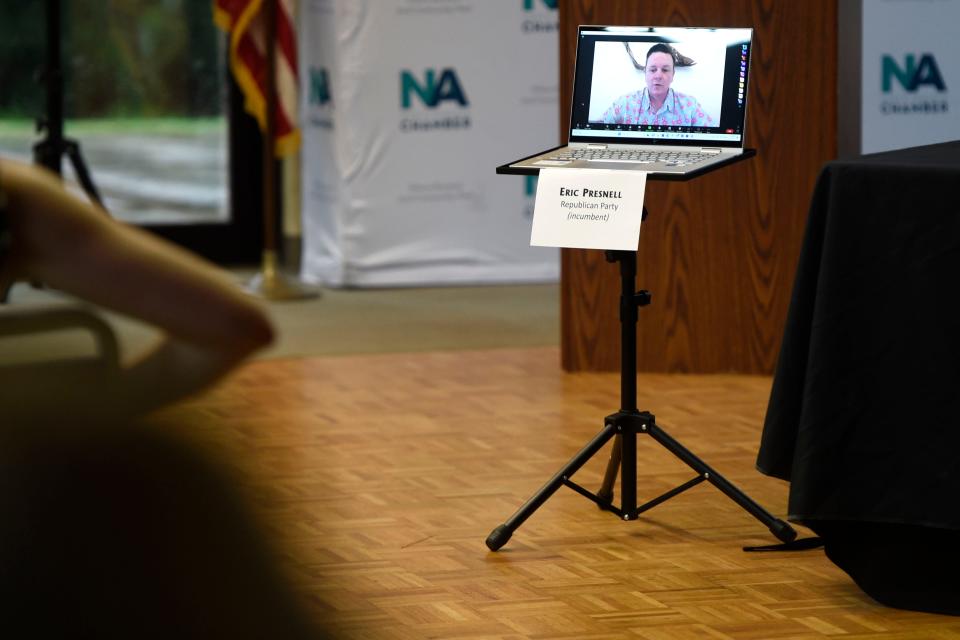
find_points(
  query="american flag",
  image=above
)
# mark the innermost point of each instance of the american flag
(246, 22)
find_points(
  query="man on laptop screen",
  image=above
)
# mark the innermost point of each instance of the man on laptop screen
(657, 102)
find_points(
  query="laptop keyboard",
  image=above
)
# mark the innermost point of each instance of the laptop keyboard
(673, 158)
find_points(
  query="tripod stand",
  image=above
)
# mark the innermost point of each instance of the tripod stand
(624, 426)
(49, 151)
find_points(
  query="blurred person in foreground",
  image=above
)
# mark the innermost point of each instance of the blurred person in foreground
(49, 236)
(109, 527)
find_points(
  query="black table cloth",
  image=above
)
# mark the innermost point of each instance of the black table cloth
(864, 414)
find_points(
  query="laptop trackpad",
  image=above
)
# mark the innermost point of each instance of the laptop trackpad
(552, 163)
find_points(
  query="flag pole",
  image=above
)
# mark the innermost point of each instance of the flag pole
(271, 283)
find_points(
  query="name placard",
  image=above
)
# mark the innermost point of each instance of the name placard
(588, 209)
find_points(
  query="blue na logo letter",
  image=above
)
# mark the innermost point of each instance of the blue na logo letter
(530, 186)
(912, 75)
(319, 86)
(550, 4)
(433, 90)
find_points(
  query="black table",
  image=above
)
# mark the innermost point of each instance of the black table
(864, 414)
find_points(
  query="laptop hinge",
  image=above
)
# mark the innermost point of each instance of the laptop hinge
(596, 145)
(712, 150)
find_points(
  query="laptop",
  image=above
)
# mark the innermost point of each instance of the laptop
(670, 101)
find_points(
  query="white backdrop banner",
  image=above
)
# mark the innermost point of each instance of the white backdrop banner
(911, 73)
(408, 107)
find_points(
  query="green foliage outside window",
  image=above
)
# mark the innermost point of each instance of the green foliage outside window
(121, 58)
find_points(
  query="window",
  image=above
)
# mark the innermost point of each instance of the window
(145, 94)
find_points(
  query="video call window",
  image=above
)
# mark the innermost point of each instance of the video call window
(692, 80)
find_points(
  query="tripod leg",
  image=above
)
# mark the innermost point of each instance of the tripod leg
(777, 527)
(83, 174)
(500, 535)
(610, 476)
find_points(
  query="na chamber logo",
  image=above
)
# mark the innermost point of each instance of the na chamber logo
(530, 5)
(320, 98)
(433, 89)
(540, 16)
(438, 99)
(319, 86)
(530, 195)
(912, 83)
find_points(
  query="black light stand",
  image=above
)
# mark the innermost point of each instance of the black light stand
(624, 426)
(50, 150)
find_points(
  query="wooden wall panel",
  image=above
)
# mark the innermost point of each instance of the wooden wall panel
(718, 252)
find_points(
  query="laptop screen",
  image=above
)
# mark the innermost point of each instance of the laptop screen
(661, 85)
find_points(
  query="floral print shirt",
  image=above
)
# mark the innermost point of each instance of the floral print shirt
(678, 109)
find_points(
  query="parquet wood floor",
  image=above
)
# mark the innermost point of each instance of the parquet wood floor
(381, 475)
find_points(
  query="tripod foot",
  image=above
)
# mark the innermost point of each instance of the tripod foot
(783, 531)
(606, 498)
(498, 537)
